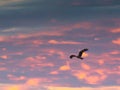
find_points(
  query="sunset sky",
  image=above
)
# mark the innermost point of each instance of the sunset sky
(38, 36)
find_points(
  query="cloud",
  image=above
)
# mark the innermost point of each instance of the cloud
(54, 72)
(52, 52)
(15, 78)
(21, 86)
(4, 57)
(30, 84)
(7, 2)
(80, 75)
(33, 82)
(63, 42)
(86, 88)
(101, 62)
(3, 69)
(37, 34)
(88, 73)
(17, 87)
(35, 63)
(3, 38)
(117, 41)
(10, 30)
(116, 30)
(85, 66)
(65, 67)
(114, 52)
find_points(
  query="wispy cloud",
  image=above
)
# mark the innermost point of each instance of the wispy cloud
(63, 42)
(6, 2)
(10, 30)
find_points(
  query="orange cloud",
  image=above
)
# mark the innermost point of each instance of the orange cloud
(102, 74)
(85, 66)
(14, 88)
(85, 55)
(80, 75)
(36, 82)
(33, 82)
(65, 67)
(54, 72)
(91, 77)
(116, 30)
(85, 88)
(117, 41)
(114, 52)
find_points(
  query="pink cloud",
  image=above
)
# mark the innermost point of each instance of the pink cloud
(3, 69)
(35, 63)
(52, 52)
(4, 49)
(37, 34)
(4, 57)
(85, 66)
(93, 79)
(54, 72)
(3, 38)
(63, 42)
(115, 52)
(101, 62)
(15, 78)
(116, 30)
(117, 41)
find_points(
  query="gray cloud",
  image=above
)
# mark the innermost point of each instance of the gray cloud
(39, 12)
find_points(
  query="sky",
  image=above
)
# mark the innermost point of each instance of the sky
(38, 36)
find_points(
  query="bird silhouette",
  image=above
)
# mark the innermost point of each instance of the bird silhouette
(79, 56)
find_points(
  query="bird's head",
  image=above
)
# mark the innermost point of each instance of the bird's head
(86, 49)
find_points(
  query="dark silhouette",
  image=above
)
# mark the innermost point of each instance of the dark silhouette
(80, 54)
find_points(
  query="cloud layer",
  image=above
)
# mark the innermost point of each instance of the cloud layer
(37, 37)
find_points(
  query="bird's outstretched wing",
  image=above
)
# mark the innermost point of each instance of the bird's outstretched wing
(71, 56)
(81, 52)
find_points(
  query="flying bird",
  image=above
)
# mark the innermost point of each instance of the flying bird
(79, 56)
